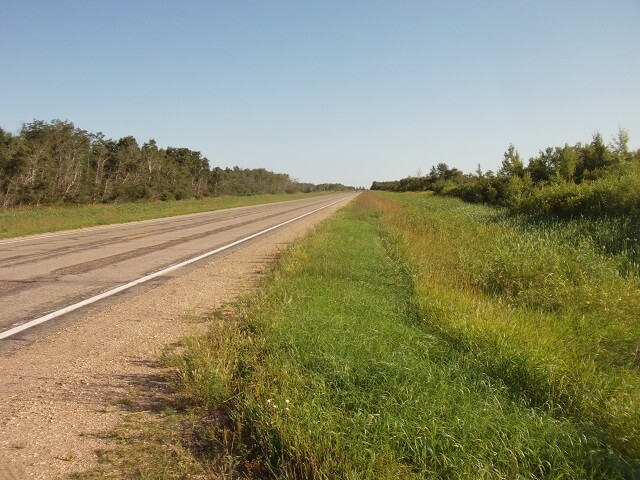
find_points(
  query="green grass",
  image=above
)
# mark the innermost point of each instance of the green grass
(615, 237)
(417, 337)
(338, 376)
(15, 222)
(541, 306)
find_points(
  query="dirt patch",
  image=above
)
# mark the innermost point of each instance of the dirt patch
(59, 394)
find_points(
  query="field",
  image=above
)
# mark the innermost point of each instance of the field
(414, 336)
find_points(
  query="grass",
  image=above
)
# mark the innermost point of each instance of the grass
(15, 222)
(338, 376)
(415, 337)
(152, 449)
(615, 237)
(542, 308)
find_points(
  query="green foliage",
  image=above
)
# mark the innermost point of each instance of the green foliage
(237, 181)
(512, 165)
(609, 196)
(593, 180)
(440, 178)
(48, 163)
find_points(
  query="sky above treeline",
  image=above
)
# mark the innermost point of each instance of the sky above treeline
(328, 91)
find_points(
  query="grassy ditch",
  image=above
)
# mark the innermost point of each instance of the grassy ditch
(333, 373)
(545, 307)
(15, 222)
(379, 349)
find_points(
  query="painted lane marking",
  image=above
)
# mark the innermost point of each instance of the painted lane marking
(146, 278)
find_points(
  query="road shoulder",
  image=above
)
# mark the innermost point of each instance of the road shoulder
(60, 394)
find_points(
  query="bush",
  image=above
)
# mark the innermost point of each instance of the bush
(604, 197)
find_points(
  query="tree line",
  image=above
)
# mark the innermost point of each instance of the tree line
(52, 162)
(589, 179)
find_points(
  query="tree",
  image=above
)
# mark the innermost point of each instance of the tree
(49, 162)
(596, 158)
(11, 165)
(568, 159)
(190, 171)
(512, 165)
(620, 144)
(56, 157)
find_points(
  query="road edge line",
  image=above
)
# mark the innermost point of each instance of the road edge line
(88, 301)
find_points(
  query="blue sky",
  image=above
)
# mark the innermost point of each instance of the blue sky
(328, 91)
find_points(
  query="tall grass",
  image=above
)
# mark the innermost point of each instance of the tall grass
(541, 308)
(615, 237)
(339, 376)
(16, 222)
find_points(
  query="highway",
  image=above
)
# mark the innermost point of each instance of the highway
(44, 277)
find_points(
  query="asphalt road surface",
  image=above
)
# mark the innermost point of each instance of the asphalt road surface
(46, 273)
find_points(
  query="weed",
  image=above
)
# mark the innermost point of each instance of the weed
(542, 306)
(348, 381)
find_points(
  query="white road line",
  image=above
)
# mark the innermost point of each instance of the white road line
(146, 278)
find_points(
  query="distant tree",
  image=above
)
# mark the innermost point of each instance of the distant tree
(568, 158)
(56, 157)
(190, 171)
(48, 162)
(512, 165)
(596, 158)
(620, 145)
(12, 163)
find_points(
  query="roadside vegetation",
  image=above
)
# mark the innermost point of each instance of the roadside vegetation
(56, 162)
(549, 308)
(415, 336)
(15, 222)
(570, 181)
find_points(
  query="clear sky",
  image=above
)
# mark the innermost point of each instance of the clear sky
(328, 91)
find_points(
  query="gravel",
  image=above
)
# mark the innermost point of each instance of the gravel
(60, 394)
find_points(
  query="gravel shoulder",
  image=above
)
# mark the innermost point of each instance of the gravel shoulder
(60, 394)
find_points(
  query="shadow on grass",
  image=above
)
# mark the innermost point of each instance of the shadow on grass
(160, 434)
